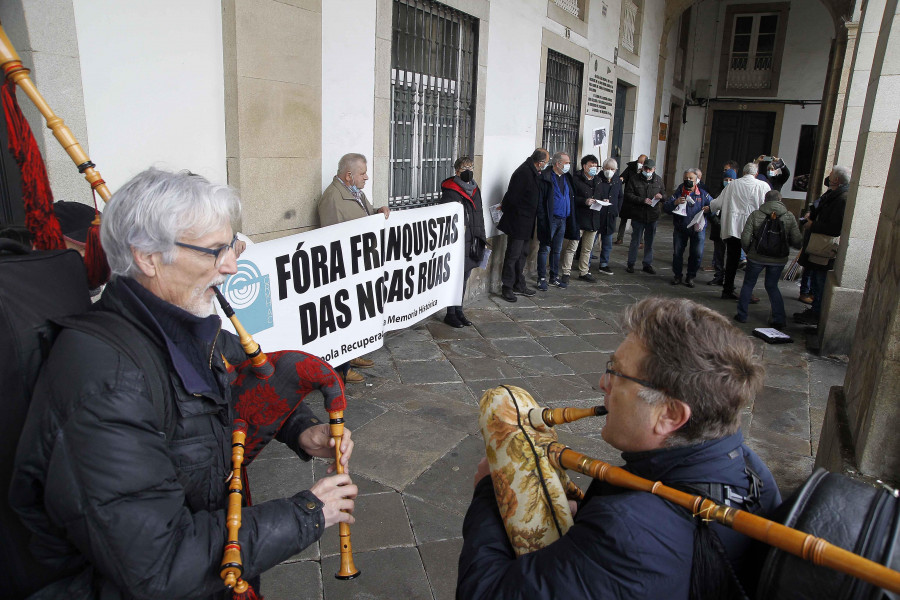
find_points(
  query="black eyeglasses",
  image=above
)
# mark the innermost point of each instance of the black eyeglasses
(220, 253)
(643, 382)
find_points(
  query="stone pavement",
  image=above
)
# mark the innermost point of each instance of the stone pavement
(416, 431)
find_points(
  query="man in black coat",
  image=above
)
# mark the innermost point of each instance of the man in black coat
(676, 418)
(643, 194)
(555, 219)
(631, 169)
(520, 206)
(124, 491)
(827, 219)
(598, 200)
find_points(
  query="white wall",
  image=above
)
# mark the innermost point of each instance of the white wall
(511, 103)
(153, 86)
(348, 83)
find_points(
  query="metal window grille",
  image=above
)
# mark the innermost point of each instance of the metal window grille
(562, 104)
(433, 73)
(569, 6)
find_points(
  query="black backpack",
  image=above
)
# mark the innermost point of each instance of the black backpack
(771, 240)
(42, 293)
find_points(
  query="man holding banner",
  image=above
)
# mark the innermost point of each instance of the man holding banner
(342, 201)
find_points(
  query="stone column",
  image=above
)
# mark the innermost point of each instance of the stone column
(878, 130)
(863, 54)
(862, 418)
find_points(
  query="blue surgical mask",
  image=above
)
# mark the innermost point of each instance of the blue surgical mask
(724, 183)
(648, 175)
(566, 168)
(771, 173)
(593, 171)
(608, 173)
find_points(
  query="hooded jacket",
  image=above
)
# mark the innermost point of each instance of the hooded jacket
(114, 501)
(624, 544)
(755, 223)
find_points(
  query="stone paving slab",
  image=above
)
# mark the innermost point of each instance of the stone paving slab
(520, 347)
(388, 574)
(545, 328)
(593, 325)
(385, 526)
(562, 344)
(448, 482)
(439, 371)
(531, 366)
(441, 561)
(292, 581)
(431, 523)
(398, 447)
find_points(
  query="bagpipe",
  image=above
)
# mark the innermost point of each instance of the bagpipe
(528, 472)
(267, 388)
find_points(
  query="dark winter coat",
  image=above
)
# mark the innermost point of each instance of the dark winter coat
(599, 187)
(828, 219)
(545, 212)
(521, 202)
(111, 497)
(624, 544)
(700, 199)
(755, 223)
(473, 218)
(777, 182)
(636, 190)
(628, 172)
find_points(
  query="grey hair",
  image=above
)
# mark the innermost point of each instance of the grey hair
(557, 158)
(697, 356)
(773, 196)
(843, 174)
(751, 169)
(610, 161)
(696, 172)
(157, 207)
(348, 162)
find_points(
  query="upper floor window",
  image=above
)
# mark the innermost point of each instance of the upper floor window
(752, 48)
(630, 30)
(562, 104)
(433, 72)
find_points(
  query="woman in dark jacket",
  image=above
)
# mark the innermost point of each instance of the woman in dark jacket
(463, 189)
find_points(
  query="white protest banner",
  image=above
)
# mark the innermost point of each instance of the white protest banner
(334, 291)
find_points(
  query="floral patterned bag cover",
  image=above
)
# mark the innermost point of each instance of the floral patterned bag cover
(531, 494)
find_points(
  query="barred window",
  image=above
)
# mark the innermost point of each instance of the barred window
(562, 104)
(433, 76)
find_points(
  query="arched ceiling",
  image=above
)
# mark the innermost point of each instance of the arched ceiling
(840, 11)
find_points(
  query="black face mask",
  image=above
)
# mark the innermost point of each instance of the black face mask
(688, 184)
(467, 175)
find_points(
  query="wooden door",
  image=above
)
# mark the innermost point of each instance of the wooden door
(618, 130)
(738, 135)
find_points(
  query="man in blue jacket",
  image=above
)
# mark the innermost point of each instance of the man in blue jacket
(555, 219)
(684, 206)
(674, 389)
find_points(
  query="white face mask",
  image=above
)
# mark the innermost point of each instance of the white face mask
(771, 173)
(640, 166)
(608, 173)
(648, 175)
(566, 168)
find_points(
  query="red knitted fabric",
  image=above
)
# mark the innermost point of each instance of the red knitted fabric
(36, 194)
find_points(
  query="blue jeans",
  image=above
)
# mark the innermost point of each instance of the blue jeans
(805, 277)
(773, 274)
(606, 244)
(557, 236)
(817, 289)
(680, 239)
(648, 232)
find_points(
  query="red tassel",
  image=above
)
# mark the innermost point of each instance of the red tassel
(36, 193)
(248, 594)
(94, 257)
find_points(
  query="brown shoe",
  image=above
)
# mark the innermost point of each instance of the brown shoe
(362, 363)
(618, 242)
(805, 299)
(354, 377)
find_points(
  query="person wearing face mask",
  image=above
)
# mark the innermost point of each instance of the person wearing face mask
(344, 200)
(631, 169)
(463, 189)
(555, 219)
(773, 171)
(598, 199)
(520, 207)
(642, 202)
(685, 203)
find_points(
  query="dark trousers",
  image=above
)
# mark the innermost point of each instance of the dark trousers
(718, 261)
(514, 263)
(773, 274)
(680, 240)
(732, 259)
(623, 223)
(457, 310)
(817, 289)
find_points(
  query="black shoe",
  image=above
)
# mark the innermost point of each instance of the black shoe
(629, 268)
(742, 265)
(676, 280)
(689, 282)
(587, 277)
(526, 291)
(453, 321)
(508, 295)
(715, 282)
(778, 326)
(740, 319)
(649, 269)
(564, 279)
(807, 317)
(729, 296)
(462, 318)
(605, 270)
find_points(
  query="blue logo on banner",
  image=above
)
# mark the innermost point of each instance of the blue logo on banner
(250, 296)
